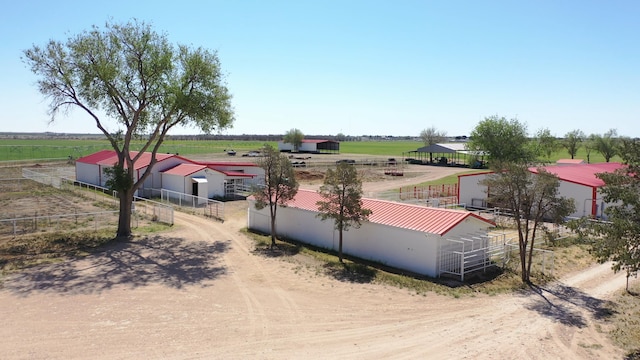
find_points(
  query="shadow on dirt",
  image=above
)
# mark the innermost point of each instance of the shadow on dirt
(350, 272)
(171, 262)
(563, 304)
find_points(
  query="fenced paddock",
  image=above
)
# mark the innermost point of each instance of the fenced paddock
(195, 204)
(46, 202)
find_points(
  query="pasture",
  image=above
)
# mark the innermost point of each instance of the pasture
(63, 149)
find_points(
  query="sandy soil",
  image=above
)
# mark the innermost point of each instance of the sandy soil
(200, 292)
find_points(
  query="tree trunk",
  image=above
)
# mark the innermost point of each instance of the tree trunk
(340, 246)
(273, 225)
(124, 219)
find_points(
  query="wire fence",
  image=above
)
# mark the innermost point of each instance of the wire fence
(65, 222)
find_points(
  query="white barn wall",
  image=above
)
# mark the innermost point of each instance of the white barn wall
(88, 173)
(469, 188)
(396, 247)
(216, 183)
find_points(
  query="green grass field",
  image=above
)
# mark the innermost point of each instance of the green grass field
(37, 149)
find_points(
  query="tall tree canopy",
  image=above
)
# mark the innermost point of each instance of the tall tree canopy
(532, 199)
(432, 136)
(572, 141)
(342, 194)
(618, 238)
(504, 140)
(141, 83)
(294, 137)
(546, 143)
(280, 184)
(607, 144)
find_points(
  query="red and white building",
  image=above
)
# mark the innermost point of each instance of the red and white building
(418, 239)
(577, 181)
(174, 173)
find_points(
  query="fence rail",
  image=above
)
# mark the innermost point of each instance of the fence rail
(66, 222)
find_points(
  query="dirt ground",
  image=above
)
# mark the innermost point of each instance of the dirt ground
(200, 292)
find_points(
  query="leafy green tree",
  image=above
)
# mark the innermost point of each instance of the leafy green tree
(546, 143)
(531, 199)
(142, 84)
(342, 194)
(505, 140)
(572, 141)
(618, 238)
(607, 144)
(431, 136)
(294, 137)
(280, 184)
(590, 145)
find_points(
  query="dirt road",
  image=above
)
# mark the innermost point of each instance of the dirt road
(200, 292)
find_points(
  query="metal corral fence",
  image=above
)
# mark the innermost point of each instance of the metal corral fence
(198, 204)
(158, 211)
(66, 222)
(428, 192)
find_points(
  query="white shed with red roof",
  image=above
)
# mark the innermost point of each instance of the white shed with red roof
(578, 182)
(175, 173)
(404, 236)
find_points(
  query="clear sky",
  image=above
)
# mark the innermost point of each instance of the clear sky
(369, 67)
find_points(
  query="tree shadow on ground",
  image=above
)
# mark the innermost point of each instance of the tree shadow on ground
(279, 250)
(172, 262)
(350, 272)
(563, 304)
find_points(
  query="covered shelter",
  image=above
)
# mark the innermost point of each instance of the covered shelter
(311, 146)
(422, 240)
(448, 154)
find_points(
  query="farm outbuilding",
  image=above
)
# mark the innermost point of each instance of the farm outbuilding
(90, 169)
(417, 239)
(451, 154)
(578, 182)
(311, 146)
(175, 173)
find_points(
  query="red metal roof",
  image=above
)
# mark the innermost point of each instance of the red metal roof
(110, 158)
(406, 216)
(95, 158)
(582, 174)
(184, 169)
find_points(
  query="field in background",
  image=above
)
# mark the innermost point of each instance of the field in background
(41, 149)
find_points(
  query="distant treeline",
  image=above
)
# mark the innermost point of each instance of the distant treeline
(243, 137)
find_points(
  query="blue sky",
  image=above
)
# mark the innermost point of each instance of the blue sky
(370, 67)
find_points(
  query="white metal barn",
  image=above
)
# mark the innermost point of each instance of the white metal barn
(175, 173)
(577, 181)
(90, 168)
(422, 240)
(311, 146)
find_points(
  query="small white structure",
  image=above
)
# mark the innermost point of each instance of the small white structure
(175, 173)
(311, 146)
(578, 182)
(408, 237)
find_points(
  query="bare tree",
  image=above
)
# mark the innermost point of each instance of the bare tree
(432, 136)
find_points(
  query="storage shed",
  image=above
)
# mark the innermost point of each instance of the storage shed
(422, 240)
(312, 146)
(577, 181)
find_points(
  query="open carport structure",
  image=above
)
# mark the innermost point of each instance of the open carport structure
(450, 154)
